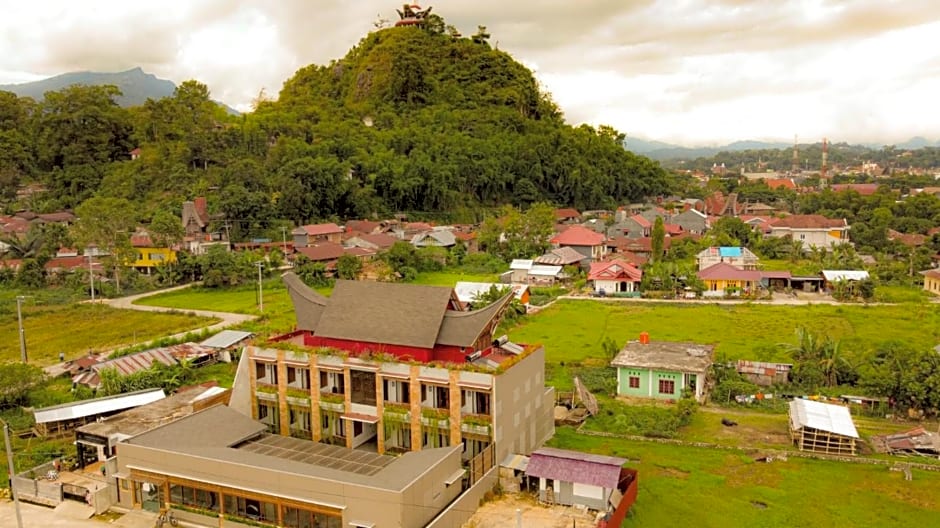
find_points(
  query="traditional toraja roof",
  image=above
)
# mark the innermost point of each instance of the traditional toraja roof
(82, 409)
(822, 416)
(725, 271)
(578, 236)
(308, 304)
(614, 270)
(388, 313)
(465, 328)
(573, 466)
(811, 221)
(665, 355)
(317, 229)
(223, 435)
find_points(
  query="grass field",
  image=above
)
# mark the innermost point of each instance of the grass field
(728, 488)
(572, 331)
(77, 329)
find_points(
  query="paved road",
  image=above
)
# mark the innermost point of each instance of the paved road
(42, 517)
(227, 319)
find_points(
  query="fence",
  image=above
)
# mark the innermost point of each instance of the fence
(481, 464)
(31, 487)
(464, 506)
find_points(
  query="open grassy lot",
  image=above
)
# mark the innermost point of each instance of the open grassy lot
(727, 488)
(76, 329)
(572, 331)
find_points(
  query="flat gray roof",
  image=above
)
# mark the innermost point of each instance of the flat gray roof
(226, 436)
(665, 355)
(135, 421)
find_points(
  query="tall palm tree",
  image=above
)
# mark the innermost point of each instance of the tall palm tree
(830, 359)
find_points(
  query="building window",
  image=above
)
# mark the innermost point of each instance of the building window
(332, 382)
(266, 373)
(357, 428)
(435, 396)
(396, 391)
(250, 509)
(299, 423)
(298, 377)
(267, 414)
(300, 518)
(634, 382)
(667, 386)
(195, 497)
(474, 402)
(363, 387)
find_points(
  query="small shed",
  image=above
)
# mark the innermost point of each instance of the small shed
(764, 373)
(60, 419)
(822, 427)
(574, 478)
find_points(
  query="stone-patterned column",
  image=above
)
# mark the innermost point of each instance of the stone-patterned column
(347, 424)
(414, 389)
(455, 434)
(380, 411)
(283, 413)
(315, 418)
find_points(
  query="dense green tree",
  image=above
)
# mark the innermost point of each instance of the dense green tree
(658, 236)
(348, 267)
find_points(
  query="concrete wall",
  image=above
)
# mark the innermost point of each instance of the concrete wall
(523, 418)
(460, 511)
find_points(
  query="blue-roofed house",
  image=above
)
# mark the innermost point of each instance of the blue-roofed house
(739, 257)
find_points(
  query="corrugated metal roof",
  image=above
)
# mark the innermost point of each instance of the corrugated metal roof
(573, 466)
(822, 416)
(226, 338)
(82, 409)
(544, 271)
(521, 264)
(516, 462)
(849, 275)
(137, 362)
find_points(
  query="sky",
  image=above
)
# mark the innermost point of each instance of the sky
(694, 72)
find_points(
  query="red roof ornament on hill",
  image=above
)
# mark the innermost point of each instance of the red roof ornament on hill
(412, 15)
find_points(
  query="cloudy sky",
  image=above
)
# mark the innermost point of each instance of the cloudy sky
(688, 71)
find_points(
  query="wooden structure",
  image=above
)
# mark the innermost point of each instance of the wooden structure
(822, 428)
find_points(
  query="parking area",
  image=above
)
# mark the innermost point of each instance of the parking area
(502, 513)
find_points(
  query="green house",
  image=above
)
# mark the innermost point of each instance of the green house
(662, 369)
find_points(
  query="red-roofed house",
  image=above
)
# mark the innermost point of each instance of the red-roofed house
(909, 240)
(587, 242)
(325, 252)
(864, 189)
(364, 227)
(567, 216)
(812, 230)
(639, 246)
(615, 276)
(313, 233)
(781, 183)
(373, 241)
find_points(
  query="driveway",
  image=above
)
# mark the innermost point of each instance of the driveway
(41, 516)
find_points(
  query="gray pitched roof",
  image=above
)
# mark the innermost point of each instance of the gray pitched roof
(382, 312)
(388, 313)
(308, 304)
(665, 355)
(464, 328)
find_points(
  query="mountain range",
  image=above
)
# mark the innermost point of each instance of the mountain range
(135, 84)
(663, 151)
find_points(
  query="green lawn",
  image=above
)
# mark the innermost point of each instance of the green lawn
(448, 278)
(77, 329)
(727, 488)
(572, 331)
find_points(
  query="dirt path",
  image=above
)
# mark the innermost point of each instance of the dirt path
(502, 513)
(226, 319)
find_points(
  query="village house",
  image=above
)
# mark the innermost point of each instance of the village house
(526, 271)
(614, 276)
(635, 226)
(572, 478)
(739, 257)
(932, 281)
(308, 235)
(691, 220)
(567, 216)
(373, 241)
(197, 236)
(662, 369)
(812, 230)
(562, 256)
(590, 244)
(437, 237)
(149, 255)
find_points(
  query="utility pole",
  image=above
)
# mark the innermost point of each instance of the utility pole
(260, 291)
(284, 238)
(12, 472)
(19, 317)
(91, 277)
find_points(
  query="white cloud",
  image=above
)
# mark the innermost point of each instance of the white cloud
(698, 71)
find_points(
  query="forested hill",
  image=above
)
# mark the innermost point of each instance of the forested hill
(411, 119)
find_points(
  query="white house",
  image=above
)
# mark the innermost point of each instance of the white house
(812, 230)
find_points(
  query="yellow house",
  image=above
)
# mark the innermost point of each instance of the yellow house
(932, 281)
(724, 279)
(150, 256)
